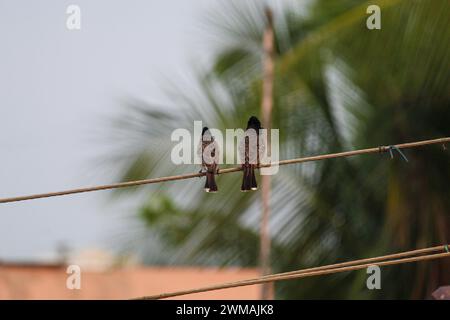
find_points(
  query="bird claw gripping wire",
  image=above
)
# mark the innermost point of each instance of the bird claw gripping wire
(391, 150)
(205, 171)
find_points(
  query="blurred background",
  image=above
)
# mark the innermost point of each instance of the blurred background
(98, 105)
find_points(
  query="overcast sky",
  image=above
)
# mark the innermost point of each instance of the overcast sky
(57, 87)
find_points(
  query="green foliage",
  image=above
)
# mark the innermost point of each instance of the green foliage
(338, 86)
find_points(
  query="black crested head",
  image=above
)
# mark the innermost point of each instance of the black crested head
(254, 123)
(204, 130)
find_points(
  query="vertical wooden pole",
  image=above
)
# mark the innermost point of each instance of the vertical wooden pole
(267, 291)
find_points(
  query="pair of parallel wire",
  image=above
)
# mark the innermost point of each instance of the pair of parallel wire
(425, 254)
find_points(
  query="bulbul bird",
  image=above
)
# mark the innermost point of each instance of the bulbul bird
(251, 150)
(208, 151)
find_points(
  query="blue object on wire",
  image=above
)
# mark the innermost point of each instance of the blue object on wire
(399, 151)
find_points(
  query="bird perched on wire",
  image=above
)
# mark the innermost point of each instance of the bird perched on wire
(208, 151)
(251, 150)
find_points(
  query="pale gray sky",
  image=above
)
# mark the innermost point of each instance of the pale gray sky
(56, 89)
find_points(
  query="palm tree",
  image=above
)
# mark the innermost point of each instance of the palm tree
(338, 86)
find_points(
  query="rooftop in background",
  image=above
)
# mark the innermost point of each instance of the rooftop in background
(48, 281)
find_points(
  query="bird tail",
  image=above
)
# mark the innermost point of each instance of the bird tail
(249, 179)
(210, 184)
(254, 185)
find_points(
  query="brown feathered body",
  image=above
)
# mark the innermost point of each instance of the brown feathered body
(208, 151)
(251, 151)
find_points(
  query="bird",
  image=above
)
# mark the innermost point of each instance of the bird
(251, 150)
(208, 151)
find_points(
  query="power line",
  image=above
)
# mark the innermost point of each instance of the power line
(393, 259)
(380, 149)
(367, 260)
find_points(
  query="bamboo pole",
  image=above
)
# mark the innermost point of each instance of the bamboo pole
(267, 290)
